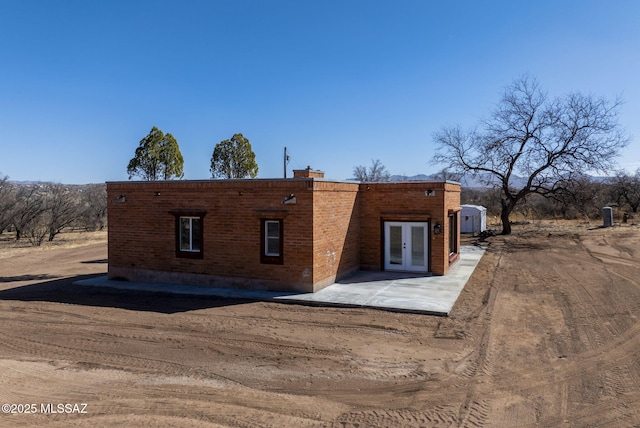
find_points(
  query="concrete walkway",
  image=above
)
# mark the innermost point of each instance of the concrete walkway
(384, 290)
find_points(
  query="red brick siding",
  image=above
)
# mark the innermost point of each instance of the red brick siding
(307, 173)
(332, 229)
(452, 202)
(335, 232)
(405, 201)
(142, 232)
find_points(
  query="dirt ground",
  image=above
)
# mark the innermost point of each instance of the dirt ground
(546, 333)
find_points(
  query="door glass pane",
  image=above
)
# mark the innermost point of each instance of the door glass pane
(185, 233)
(395, 245)
(417, 246)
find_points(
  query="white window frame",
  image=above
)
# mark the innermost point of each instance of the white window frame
(267, 238)
(190, 249)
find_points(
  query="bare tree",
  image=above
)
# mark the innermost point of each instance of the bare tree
(487, 197)
(28, 208)
(626, 189)
(544, 140)
(62, 208)
(447, 175)
(582, 196)
(94, 200)
(44, 210)
(376, 172)
(37, 230)
(7, 202)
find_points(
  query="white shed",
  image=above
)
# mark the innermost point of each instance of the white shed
(473, 219)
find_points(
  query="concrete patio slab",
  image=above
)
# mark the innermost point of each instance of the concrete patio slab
(384, 290)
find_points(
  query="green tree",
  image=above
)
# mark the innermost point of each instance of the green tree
(157, 157)
(531, 144)
(234, 158)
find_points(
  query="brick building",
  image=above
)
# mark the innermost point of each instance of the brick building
(297, 234)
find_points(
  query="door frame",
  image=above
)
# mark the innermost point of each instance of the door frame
(406, 225)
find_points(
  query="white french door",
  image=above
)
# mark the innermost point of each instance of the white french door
(406, 246)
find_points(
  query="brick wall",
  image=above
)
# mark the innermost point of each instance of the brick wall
(441, 258)
(333, 229)
(405, 201)
(307, 173)
(142, 231)
(335, 232)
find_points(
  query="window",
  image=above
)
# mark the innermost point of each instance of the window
(453, 233)
(189, 233)
(272, 238)
(271, 242)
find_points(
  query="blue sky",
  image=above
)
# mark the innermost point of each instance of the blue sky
(338, 82)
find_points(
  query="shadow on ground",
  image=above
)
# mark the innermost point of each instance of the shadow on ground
(65, 291)
(27, 278)
(372, 276)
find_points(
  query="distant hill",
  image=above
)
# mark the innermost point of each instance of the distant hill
(29, 183)
(419, 177)
(43, 184)
(480, 181)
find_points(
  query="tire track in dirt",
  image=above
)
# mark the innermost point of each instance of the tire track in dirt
(494, 362)
(616, 354)
(474, 410)
(440, 416)
(593, 304)
(603, 339)
(332, 326)
(106, 359)
(589, 335)
(100, 357)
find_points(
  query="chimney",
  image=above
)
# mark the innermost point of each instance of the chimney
(307, 173)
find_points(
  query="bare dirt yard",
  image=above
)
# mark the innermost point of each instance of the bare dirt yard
(546, 333)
